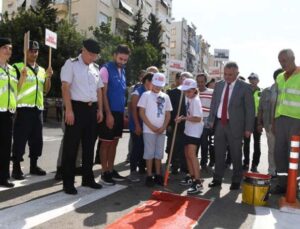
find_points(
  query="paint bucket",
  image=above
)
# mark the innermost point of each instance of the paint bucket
(256, 189)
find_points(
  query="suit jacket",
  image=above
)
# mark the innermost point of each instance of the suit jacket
(241, 107)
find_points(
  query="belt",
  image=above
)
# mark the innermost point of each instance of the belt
(84, 103)
(220, 119)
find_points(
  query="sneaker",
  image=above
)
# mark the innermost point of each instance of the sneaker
(158, 179)
(195, 188)
(106, 178)
(134, 177)
(116, 176)
(149, 181)
(186, 181)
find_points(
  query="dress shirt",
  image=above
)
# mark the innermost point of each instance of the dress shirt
(231, 86)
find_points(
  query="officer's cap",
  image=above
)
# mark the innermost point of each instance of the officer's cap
(253, 76)
(5, 41)
(34, 45)
(91, 45)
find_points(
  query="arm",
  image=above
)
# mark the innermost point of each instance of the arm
(22, 79)
(69, 115)
(213, 108)
(146, 120)
(100, 106)
(47, 84)
(109, 118)
(249, 111)
(166, 122)
(134, 112)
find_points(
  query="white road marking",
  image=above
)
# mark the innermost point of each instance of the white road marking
(33, 213)
(273, 218)
(51, 138)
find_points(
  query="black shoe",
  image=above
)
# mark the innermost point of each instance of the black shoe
(37, 171)
(17, 176)
(92, 184)
(195, 188)
(278, 190)
(149, 181)
(58, 175)
(214, 183)
(106, 178)
(235, 186)
(211, 164)
(78, 171)
(17, 172)
(174, 170)
(245, 167)
(142, 170)
(158, 179)
(70, 190)
(187, 181)
(7, 184)
(204, 167)
(254, 169)
(116, 176)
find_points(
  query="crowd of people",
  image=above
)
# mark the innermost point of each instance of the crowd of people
(215, 118)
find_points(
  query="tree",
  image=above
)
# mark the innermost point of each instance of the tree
(154, 37)
(135, 32)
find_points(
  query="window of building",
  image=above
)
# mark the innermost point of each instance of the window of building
(173, 31)
(75, 18)
(173, 44)
(103, 18)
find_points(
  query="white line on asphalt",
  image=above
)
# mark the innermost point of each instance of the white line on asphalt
(51, 138)
(33, 213)
(273, 218)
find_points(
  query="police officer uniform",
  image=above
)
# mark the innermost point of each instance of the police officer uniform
(8, 90)
(28, 124)
(84, 84)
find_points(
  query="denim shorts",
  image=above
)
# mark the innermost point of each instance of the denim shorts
(154, 145)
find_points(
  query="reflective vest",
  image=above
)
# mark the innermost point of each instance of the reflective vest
(288, 99)
(31, 93)
(256, 96)
(8, 89)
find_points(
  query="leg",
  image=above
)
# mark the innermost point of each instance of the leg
(257, 152)
(271, 145)
(246, 151)
(204, 147)
(235, 145)
(195, 167)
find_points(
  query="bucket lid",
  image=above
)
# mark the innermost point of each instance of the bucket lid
(258, 176)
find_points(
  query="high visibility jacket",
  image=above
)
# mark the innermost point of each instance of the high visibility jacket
(256, 96)
(288, 100)
(31, 93)
(8, 89)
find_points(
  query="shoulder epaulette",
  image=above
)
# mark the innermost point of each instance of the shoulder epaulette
(74, 59)
(96, 65)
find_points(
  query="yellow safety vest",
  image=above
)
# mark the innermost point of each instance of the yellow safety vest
(31, 93)
(8, 89)
(288, 99)
(256, 96)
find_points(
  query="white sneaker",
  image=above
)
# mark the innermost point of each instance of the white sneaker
(134, 177)
(195, 188)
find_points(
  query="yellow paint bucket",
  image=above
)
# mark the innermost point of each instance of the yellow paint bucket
(256, 188)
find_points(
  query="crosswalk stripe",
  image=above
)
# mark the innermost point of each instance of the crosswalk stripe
(33, 213)
(273, 218)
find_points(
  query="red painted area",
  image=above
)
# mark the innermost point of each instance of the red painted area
(164, 210)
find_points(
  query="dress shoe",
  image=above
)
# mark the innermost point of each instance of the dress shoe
(35, 170)
(235, 186)
(6, 183)
(214, 183)
(78, 171)
(58, 175)
(254, 169)
(70, 190)
(93, 185)
(17, 175)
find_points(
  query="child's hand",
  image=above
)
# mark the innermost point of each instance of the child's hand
(179, 119)
(160, 130)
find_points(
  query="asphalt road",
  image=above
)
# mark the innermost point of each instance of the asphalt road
(40, 203)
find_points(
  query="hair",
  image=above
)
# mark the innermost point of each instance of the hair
(177, 76)
(148, 76)
(288, 52)
(152, 69)
(202, 74)
(122, 49)
(231, 65)
(277, 72)
(242, 78)
(187, 75)
(211, 81)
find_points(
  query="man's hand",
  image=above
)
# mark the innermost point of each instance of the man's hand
(247, 134)
(69, 117)
(99, 116)
(110, 121)
(49, 72)
(138, 130)
(24, 72)
(259, 128)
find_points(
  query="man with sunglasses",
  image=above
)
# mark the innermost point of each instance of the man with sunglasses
(34, 81)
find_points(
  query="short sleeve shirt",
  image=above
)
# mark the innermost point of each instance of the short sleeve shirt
(193, 109)
(84, 79)
(156, 105)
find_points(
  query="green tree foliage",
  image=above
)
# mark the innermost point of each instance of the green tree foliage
(135, 33)
(154, 37)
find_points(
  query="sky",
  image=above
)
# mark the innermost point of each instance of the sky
(253, 31)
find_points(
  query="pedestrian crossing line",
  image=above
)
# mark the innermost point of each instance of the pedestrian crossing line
(29, 179)
(35, 212)
(273, 218)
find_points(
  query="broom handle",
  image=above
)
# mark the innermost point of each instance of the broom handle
(173, 141)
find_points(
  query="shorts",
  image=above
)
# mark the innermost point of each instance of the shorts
(188, 140)
(106, 134)
(154, 145)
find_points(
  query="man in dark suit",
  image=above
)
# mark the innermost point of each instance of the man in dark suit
(232, 115)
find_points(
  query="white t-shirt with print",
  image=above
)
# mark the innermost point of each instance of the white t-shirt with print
(193, 109)
(155, 105)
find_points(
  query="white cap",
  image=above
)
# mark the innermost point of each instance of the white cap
(159, 79)
(188, 84)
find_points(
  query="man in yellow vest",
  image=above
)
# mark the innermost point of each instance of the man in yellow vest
(253, 80)
(33, 82)
(287, 116)
(8, 92)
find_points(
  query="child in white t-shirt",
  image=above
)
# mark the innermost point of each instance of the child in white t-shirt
(155, 107)
(192, 133)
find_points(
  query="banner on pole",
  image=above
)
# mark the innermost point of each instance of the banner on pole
(50, 39)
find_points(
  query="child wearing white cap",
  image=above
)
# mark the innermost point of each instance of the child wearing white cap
(192, 133)
(155, 107)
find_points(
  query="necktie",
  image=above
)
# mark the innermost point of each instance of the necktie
(225, 105)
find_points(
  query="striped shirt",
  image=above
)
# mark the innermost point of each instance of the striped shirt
(205, 97)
